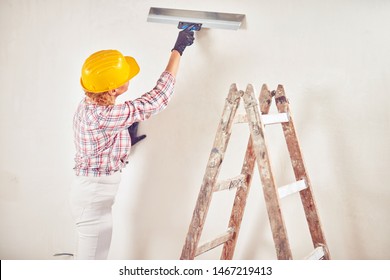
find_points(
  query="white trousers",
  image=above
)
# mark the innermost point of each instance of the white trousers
(91, 200)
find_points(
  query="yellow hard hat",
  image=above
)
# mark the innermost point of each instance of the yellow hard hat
(106, 70)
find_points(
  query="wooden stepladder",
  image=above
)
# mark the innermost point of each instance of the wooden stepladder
(256, 152)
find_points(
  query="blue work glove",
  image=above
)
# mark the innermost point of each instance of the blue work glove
(133, 130)
(184, 39)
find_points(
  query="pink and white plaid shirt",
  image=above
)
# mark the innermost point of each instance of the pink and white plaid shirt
(101, 137)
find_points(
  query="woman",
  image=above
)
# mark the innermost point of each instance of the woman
(102, 139)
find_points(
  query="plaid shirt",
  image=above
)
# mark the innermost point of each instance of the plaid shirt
(101, 137)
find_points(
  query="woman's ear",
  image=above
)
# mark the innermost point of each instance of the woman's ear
(112, 92)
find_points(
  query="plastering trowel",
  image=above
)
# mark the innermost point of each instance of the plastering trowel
(198, 19)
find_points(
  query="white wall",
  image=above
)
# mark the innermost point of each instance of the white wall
(331, 56)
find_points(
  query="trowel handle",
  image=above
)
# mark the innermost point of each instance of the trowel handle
(192, 26)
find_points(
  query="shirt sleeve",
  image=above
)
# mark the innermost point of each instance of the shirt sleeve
(121, 116)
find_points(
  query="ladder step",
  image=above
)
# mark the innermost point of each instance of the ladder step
(231, 183)
(292, 188)
(274, 118)
(266, 118)
(219, 240)
(240, 118)
(317, 254)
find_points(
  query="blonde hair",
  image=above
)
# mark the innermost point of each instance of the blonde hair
(101, 98)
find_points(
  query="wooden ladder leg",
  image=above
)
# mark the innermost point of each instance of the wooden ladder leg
(212, 170)
(298, 164)
(240, 202)
(242, 193)
(278, 227)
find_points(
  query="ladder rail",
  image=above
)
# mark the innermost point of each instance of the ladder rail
(271, 196)
(240, 199)
(212, 170)
(239, 203)
(299, 168)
